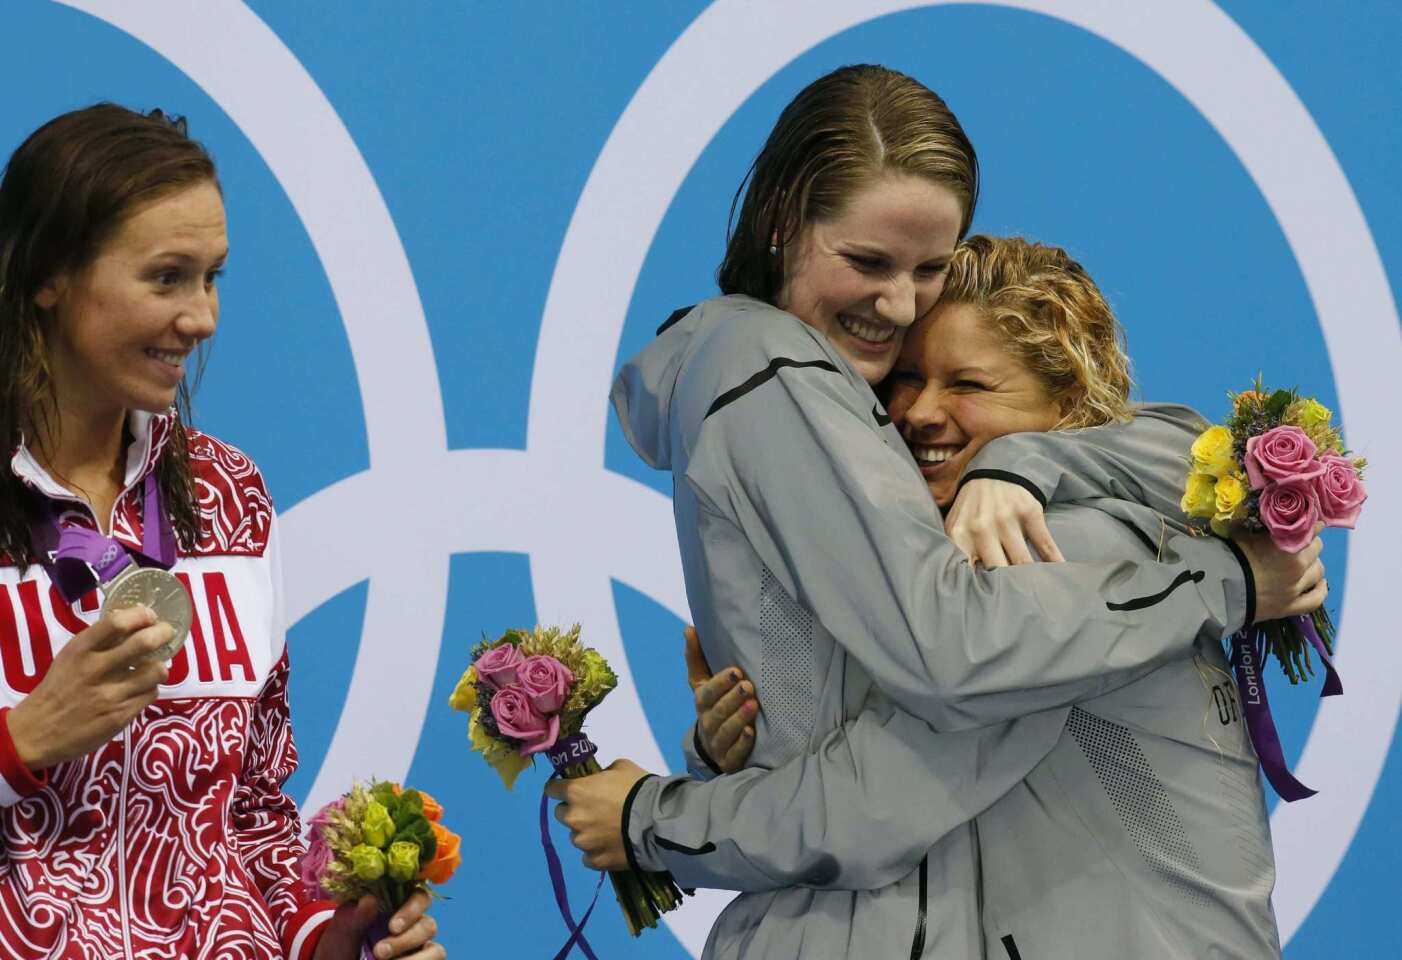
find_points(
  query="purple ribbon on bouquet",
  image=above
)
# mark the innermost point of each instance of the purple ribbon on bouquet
(567, 752)
(79, 559)
(1248, 654)
(377, 931)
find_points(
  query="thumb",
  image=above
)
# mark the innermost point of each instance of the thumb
(698, 671)
(114, 627)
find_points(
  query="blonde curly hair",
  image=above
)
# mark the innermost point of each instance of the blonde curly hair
(1052, 318)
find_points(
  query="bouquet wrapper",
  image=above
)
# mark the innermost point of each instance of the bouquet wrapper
(643, 896)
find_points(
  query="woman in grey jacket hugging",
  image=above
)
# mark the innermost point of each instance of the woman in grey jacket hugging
(921, 713)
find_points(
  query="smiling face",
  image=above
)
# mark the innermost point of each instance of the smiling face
(955, 387)
(862, 277)
(121, 328)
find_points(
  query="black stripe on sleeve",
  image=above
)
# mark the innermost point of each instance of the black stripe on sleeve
(1250, 582)
(673, 318)
(763, 377)
(881, 417)
(917, 945)
(675, 847)
(1011, 947)
(1006, 477)
(627, 811)
(1140, 603)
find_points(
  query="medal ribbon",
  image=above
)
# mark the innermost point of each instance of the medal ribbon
(1248, 653)
(79, 559)
(567, 752)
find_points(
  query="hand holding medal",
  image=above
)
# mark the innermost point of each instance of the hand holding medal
(110, 672)
(98, 682)
(160, 591)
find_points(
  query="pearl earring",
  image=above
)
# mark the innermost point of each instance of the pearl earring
(773, 250)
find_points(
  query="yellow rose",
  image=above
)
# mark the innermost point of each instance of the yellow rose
(376, 826)
(403, 859)
(505, 760)
(1200, 499)
(368, 863)
(464, 695)
(1314, 415)
(1212, 452)
(1228, 496)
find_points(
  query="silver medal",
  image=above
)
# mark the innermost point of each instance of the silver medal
(162, 592)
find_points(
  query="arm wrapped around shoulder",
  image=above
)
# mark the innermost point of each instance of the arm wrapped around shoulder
(1144, 460)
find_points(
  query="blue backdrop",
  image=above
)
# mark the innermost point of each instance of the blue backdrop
(451, 221)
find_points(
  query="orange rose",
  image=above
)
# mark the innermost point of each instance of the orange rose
(446, 857)
(1246, 397)
(433, 810)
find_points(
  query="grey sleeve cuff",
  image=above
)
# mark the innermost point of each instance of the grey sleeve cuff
(698, 762)
(1231, 599)
(1007, 477)
(1249, 577)
(628, 845)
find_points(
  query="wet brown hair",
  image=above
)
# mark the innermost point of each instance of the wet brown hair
(839, 133)
(65, 191)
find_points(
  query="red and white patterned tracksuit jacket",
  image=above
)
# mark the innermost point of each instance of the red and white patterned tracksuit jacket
(174, 839)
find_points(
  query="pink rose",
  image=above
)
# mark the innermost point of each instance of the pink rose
(1283, 453)
(318, 856)
(313, 866)
(546, 681)
(1340, 492)
(497, 667)
(1289, 510)
(517, 718)
(323, 816)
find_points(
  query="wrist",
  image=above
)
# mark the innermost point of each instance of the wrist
(704, 755)
(24, 742)
(17, 776)
(1004, 476)
(626, 816)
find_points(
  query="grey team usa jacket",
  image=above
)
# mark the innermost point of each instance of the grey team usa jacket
(815, 559)
(1142, 833)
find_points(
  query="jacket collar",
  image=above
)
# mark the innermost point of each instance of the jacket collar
(149, 434)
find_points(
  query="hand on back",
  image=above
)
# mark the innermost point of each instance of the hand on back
(725, 708)
(993, 521)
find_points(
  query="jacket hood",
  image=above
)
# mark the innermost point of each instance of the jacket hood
(642, 392)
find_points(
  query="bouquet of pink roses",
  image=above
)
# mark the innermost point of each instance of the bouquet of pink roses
(527, 693)
(1277, 466)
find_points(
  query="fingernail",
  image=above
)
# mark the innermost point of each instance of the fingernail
(382, 950)
(734, 676)
(396, 925)
(749, 706)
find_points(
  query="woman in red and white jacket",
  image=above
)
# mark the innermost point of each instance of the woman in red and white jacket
(141, 803)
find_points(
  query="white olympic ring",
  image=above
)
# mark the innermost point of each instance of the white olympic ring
(507, 505)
